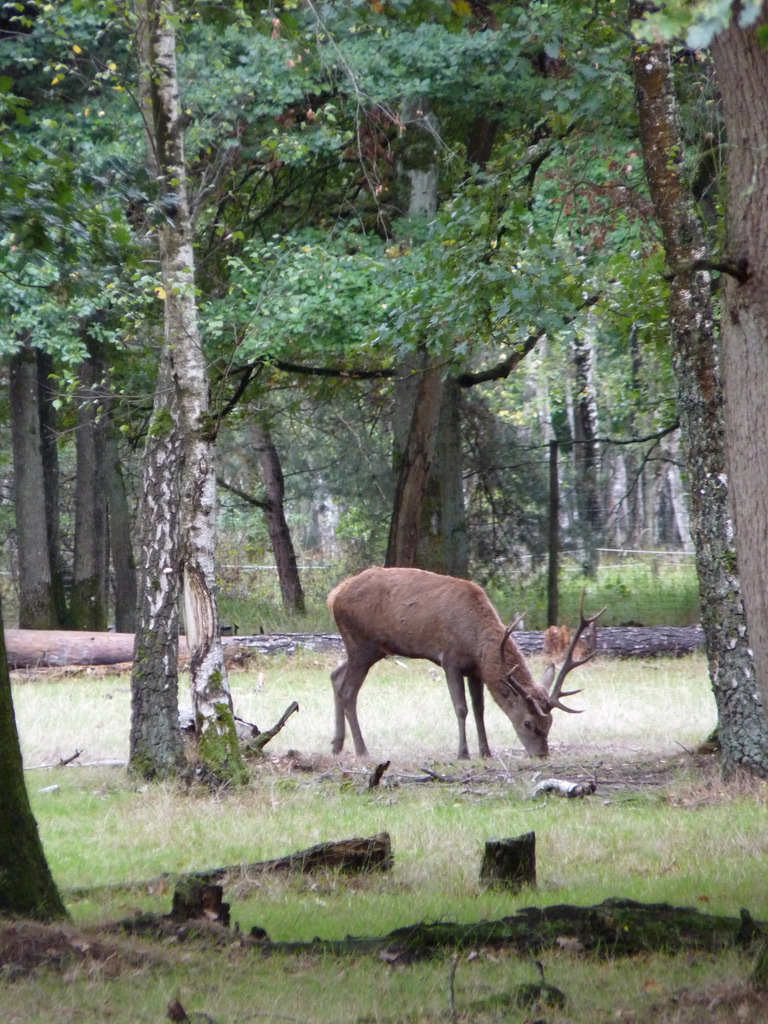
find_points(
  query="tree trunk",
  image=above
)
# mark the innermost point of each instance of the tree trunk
(277, 525)
(216, 737)
(50, 455)
(37, 606)
(88, 605)
(742, 724)
(741, 65)
(417, 402)
(27, 888)
(509, 863)
(443, 537)
(156, 747)
(428, 527)
(121, 528)
(586, 452)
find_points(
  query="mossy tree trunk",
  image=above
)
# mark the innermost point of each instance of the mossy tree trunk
(27, 888)
(742, 726)
(218, 748)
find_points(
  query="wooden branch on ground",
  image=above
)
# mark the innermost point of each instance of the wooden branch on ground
(348, 856)
(375, 777)
(255, 744)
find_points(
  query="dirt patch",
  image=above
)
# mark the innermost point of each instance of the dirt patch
(29, 946)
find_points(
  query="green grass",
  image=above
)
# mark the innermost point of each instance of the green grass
(690, 841)
(646, 591)
(643, 592)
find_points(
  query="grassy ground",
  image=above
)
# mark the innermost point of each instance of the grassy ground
(661, 827)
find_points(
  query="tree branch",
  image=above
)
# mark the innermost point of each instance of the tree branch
(733, 268)
(503, 369)
(248, 498)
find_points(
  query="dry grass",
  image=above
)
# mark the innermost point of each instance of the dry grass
(654, 707)
(660, 827)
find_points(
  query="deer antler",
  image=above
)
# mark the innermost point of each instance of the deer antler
(535, 706)
(570, 663)
(510, 628)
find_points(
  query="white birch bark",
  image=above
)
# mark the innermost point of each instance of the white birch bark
(217, 743)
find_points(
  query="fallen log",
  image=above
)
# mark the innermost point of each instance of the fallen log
(30, 648)
(614, 928)
(347, 856)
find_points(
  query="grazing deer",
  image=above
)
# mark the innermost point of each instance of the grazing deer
(451, 622)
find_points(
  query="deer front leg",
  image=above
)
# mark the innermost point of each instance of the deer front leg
(455, 680)
(477, 695)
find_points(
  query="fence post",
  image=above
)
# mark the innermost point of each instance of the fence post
(554, 537)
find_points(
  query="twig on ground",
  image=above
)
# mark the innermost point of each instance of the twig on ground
(452, 989)
(257, 744)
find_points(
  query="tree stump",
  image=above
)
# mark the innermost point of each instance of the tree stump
(195, 899)
(510, 863)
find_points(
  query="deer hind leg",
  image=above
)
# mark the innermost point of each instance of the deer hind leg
(455, 679)
(347, 680)
(477, 695)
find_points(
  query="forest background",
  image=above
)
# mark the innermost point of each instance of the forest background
(381, 193)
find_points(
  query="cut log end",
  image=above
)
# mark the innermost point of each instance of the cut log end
(196, 900)
(509, 863)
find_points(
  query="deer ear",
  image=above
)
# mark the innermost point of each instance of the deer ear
(548, 678)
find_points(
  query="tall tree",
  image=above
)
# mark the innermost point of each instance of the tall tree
(27, 888)
(274, 511)
(91, 553)
(156, 749)
(121, 527)
(741, 64)
(37, 605)
(743, 729)
(217, 743)
(586, 450)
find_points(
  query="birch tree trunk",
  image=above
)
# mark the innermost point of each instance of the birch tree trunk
(742, 724)
(217, 744)
(586, 455)
(156, 747)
